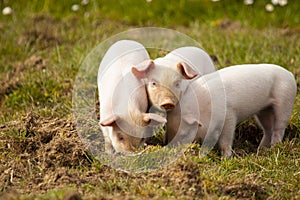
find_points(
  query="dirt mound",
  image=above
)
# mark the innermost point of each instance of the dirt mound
(43, 153)
(39, 151)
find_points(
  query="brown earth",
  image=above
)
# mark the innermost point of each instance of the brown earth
(42, 154)
(45, 154)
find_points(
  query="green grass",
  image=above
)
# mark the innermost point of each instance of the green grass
(233, 32)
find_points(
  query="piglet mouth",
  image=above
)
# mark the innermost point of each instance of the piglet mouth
(167, 105)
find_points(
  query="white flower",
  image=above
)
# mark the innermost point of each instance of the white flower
(7, 11)
(269, 7)
(148, 1)
(283, 2)
(215, 0)
(275, 2)
(84, 2)
(75, 7)
(248, 2)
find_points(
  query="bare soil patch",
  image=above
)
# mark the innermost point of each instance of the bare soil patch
(40, 154)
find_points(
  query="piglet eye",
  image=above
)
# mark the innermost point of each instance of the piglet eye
(153, 84)
(120, 137)
(177, 84)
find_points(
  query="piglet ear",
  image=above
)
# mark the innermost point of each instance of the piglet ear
(153, 119)
(109, 121)
(142, 73)
(191, 120)
(186, 71)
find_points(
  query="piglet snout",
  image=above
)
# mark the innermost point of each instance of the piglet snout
(167, 104)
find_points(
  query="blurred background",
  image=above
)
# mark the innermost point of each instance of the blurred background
(55, 37)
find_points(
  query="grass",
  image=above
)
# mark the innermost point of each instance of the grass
(43, 45)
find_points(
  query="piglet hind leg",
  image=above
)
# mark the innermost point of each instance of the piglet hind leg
(283, 106)
(283, 102)
(265, 119)
(282, 116)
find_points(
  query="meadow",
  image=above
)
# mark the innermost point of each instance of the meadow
(44, 43)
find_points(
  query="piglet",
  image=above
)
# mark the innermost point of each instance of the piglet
(168, 77)
(229, 96)
(123, 99)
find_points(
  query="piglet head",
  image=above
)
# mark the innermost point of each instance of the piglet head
(125, 137)
(164, 83)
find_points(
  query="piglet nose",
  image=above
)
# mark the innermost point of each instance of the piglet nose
(167, 104)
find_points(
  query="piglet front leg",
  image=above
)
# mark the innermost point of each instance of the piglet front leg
(227, 136)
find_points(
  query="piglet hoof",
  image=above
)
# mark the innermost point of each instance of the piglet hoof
(203, 151)
(262, 150)
(226, 154)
